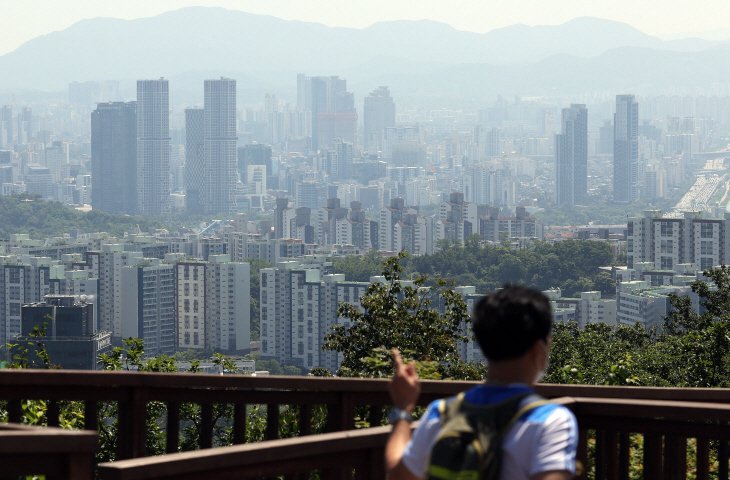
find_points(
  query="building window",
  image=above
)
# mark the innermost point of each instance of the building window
(630, 228)
(301, 331)
(310, 359)
(706, 263)
(195, 306)
(706, 230)
(264, 346)
(705, 246)
(187, 306)
(187, 289)
(187, 321)
(667, 246)
(667, 229)
(195, 338)
(309, 326)
(300, 348)
(630, 245)
(187, 338)
(666, 263)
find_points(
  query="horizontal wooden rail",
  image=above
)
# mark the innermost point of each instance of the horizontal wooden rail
(49, 451)
(133, 391)
(665, 426)
(354, 449)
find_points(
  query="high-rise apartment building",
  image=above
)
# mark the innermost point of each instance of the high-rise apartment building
(457, 218)
(194, 159)
(23, 279)
(667, 242)
(6, 125)
(626, 150)
(378, 113)
(114, 157)
(571, 157)
(148, 307)
(219, 193)
(521, 225)
(25, 126)
(153, 146)
(213, 305)
(401, 228)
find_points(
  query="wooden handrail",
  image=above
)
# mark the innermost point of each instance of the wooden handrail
(50, 451)
(269, 458)
(134, 390)
(663, 423)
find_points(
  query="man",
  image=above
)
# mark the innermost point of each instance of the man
(512, 327)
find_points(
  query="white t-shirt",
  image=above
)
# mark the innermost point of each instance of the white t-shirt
(542, 440)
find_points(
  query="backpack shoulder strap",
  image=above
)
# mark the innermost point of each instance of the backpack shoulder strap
(533, 401)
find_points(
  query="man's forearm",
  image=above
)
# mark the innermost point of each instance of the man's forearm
(394, 452)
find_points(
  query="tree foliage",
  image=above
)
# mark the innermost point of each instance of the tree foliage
(398, 315)
(572, 265)
(40, 218)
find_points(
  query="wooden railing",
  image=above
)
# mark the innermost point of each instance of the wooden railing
(333, 455)
(664, 416)
(53, 452)
(665, 427)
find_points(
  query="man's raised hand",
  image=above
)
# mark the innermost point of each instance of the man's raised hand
(405, 386)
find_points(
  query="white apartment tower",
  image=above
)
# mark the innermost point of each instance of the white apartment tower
(219, 191)
(213, 304)
(153, 146)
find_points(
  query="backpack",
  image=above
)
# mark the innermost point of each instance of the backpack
(469, 444)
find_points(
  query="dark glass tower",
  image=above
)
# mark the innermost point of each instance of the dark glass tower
(114, 158)
(571, 157)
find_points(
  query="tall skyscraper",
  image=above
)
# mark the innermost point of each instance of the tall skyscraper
(25, 125)
(114, 157)
(153, 146)
(379, 112)
(256, 154)
(571, 156)
(329, 105)
(626, 150)
(220, 146)
(6, 125)
(194, 159)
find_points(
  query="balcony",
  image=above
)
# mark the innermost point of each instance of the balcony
(609, 420)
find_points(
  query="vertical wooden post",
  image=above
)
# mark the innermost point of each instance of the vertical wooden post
(601, 455)
(272, 422)
(305, 420)
(653, 456)
(623, 455)
(703, 459)
(722, 457)
(582, 454)
(15, 411)
(53, 413)
(90, 415)
(376, 415)
(206, 425)
(173, 427)
(239, 423)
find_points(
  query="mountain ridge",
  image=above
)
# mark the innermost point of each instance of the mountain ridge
(263, 46)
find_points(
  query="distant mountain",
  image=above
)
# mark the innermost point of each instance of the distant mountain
(205, 39)
(624, 69)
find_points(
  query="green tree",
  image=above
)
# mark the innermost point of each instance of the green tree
(400, 316)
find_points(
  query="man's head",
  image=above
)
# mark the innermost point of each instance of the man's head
(509, 322)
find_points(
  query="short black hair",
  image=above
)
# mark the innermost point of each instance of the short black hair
(507, 323)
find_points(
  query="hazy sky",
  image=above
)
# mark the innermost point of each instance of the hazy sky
(26, 19)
